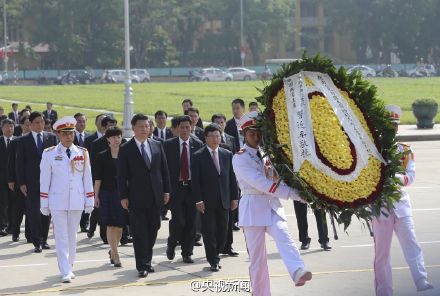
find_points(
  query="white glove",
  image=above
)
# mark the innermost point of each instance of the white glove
(45, 211)
(88, 210)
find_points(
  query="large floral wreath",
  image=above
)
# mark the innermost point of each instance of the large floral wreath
(373, 187)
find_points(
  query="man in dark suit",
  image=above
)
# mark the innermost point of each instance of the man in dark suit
(14, 114)
(215, 192)
(186, 104)
(6, 195)
(80, 136)
(161, 130)
(144, 186)
(228, 142)
(96, 135)
(193, 113)
(27, 166)
(231, 125)
(49, 113)
(179, 151)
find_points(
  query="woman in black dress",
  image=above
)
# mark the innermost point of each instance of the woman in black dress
(107, 198)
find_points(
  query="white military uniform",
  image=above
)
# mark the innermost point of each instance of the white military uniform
(66, 189)
(261, 211)
(401, 222)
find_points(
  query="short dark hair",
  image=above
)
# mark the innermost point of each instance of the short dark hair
(79, 114)
(108, 120)
(49, 103)
(182, 118)
(35, 115)
(23, 119)
(113, 131)
(193, 109)
(174, 122)
(7, 121)
(253, 104)
(238, 101)
(218, 115)
(137, 118)
(14, 104)
(28, 107)
(187, 101)
(98, 116)
(212, 127)
(159, 113)
(22, 111)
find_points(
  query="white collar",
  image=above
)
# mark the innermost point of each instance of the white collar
(182, 141)
(210, 150)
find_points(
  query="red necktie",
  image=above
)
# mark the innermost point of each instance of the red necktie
(184, 172)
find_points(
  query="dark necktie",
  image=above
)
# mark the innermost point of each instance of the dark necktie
(81, 141)
(68, 152)
(161, 135)
(39, 144)
(144, 155)
(184, 172)
(8, 141)
(259, 155)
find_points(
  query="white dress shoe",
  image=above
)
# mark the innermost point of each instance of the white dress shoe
(66, 279)
(72, 275)
(423, 285)
(301, 277)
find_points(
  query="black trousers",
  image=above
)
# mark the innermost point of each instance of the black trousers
(4, 207)
(182, 223)
(94, 218)
(144, 224)
(39, 223)
(229, 234)
(301, 219)
(84, 222)
(18, 210)
(214, 231)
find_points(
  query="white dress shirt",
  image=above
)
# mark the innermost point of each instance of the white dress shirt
(77, 133)
(188, 154)
(164, 133)
(147, 147)
(216, 155)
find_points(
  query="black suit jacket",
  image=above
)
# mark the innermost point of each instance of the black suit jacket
(96, 147)
(200, 133)
(231, 129)
(89, 140)
(27, 164)
(12, 116)
(18, 131)
(168, 133)
(53, 115)
(142, 185)
(12, 158)
(75, 141)
(4, 161)
(172, 151)
(229, 143)
(207, 184)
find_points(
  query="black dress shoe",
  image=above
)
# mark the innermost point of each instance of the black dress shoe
(231, 253)
(326, 246)
(305, 246)
(149, 269)
(84, 230)
(235, 228)
(198, 244)
(142, 273)
(37, 250)
(3, 232)
(28, 241)
(15, 238)
(170, 253)
(90, 234)
(187, 259)
(215, 267)
(45, 246)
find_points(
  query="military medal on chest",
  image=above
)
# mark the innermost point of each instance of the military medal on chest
(78, 164)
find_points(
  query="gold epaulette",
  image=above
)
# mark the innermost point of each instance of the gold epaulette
(85, 149)
(49, 148)
(241, 151)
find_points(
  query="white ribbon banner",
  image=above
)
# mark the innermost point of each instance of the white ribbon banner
(301, 127)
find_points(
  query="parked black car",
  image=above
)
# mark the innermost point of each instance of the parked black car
(84, 77)
(67, 78)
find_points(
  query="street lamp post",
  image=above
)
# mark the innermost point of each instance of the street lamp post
(242, 52)
(128, 93)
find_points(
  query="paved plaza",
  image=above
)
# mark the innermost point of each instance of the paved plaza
(346, 270)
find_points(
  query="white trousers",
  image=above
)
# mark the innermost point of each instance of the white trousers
(383, 233)
(256, 246)
(65, 225)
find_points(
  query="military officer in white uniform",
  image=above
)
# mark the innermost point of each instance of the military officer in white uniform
(400, 221)
(261, 211)
(66, 190)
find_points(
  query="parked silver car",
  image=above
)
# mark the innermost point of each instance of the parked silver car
(143, 74)
(211, 74)
(365, 71)
(119, 76)
(242, 73)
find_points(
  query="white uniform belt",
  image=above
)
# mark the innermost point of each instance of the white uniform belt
(252, 192)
